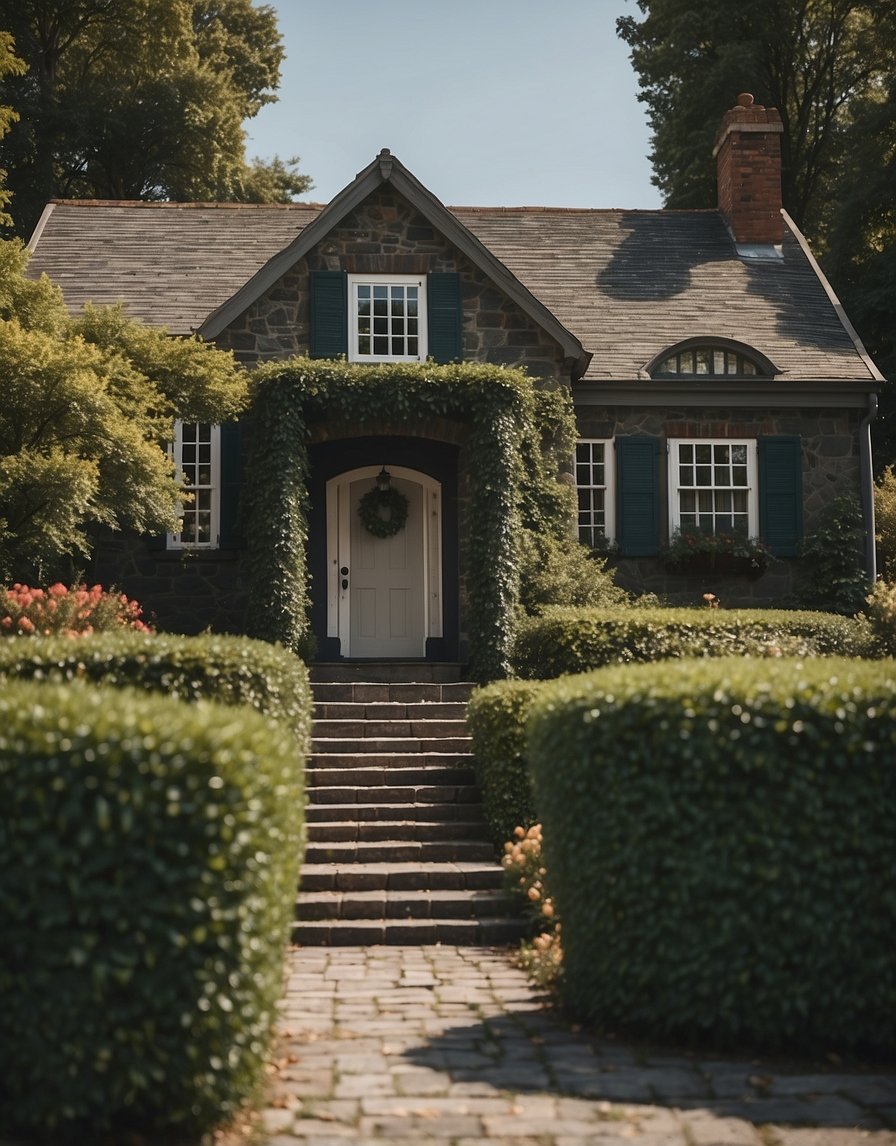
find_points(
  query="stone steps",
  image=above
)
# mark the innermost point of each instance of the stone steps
(398, 849)
(361, 775)
(367, 727)
(389, 746)
(423, 792)
(380, 851)
(468, 932)
(410, 812)
(375, 831)
(387, 672)
(385, 904)
(388, 710)
(399, 876)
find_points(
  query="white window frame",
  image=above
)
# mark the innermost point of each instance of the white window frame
(609, 488)
(355, 281)
(177, 540)
(751, 487)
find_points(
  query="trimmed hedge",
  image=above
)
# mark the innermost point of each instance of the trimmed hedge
(149, 854)
(496, 719)
(568, 640)
(720, 844)
(228, 670)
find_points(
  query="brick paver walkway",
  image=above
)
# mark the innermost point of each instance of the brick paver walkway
(446, 1044)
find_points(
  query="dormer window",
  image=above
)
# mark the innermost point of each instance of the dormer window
(695, 359)
(387, 318)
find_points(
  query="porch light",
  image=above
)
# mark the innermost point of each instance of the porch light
(383, 480)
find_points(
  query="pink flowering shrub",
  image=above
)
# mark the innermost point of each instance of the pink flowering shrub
(70, 612)
(525, 874)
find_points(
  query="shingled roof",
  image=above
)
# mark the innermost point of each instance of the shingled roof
(625, 284)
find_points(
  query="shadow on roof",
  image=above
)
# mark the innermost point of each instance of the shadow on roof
(655, 258)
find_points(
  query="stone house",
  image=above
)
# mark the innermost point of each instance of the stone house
(717, 383)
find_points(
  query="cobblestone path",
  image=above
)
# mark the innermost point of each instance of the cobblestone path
(451, 1045)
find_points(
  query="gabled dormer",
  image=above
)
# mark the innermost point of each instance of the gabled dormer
(387, 273)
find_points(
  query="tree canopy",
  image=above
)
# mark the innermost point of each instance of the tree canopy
(10, 65)
(88, 410)
(819, 62)
(140, 99)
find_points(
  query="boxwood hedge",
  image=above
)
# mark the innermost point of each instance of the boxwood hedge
(228, 670)
(720, 845)
(149, 852)
(573, 640)
(496, 719)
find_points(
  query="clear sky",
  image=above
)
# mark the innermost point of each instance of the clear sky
(488, 102)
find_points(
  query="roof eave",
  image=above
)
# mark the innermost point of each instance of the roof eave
(760, 393)
(835, 302)
(274, 269)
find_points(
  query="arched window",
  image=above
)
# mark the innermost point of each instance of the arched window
(706, 358)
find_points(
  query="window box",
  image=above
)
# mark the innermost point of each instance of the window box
(722, 553)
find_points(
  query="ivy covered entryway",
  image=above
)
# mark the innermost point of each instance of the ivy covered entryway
(514, 436)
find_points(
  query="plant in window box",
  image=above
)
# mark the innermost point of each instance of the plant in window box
(692, 551)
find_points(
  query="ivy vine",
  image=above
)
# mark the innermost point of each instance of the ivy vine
(511, 461)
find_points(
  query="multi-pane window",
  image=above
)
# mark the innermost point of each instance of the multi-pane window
(713, 361)
(712, 486)
(387, 319)
(594, 490)
(197, 457)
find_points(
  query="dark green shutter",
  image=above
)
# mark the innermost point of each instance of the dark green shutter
(329, 314)
(638, 496)
(231, 474)
(781, 494)
(443, 312)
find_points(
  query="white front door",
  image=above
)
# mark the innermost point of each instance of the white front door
(384, 593)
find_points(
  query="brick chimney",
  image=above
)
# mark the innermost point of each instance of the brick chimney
(748, 157)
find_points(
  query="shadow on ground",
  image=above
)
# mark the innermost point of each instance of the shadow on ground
(535, 1051)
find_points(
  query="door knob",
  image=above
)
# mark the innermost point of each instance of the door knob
(345, 582)
(344, 570)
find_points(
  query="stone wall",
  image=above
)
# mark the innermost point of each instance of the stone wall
(830, 468)
(181, 591)
(386, 236)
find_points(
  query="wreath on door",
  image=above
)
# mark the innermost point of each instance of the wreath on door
(383, 512)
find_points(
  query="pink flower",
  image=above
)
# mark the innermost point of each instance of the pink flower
(58, 590)
(25, 625)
